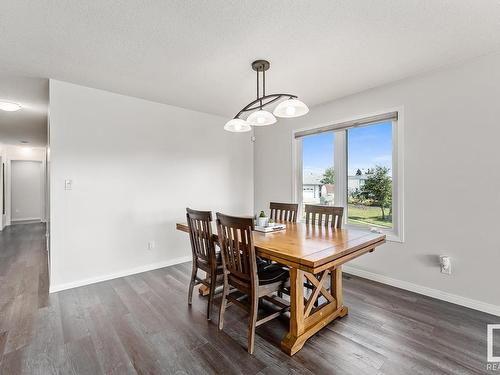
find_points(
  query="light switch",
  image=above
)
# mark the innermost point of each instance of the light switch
(68, 184)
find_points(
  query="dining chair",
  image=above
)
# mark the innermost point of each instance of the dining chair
(205, 256)
(326, 216)
(284, 212)
(243, 274)
(323, 214)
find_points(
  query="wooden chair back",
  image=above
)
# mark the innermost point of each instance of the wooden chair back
(237, 248)
(324, 215)
(200, 234)
(284, 212)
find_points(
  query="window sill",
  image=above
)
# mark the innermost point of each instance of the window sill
(391, 236)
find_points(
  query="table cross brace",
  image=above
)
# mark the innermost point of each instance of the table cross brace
(318, 288)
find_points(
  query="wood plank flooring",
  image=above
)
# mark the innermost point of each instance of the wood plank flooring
(141, 324)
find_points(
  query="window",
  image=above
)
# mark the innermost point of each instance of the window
(369, 175)
(317, 169)
(356, 165)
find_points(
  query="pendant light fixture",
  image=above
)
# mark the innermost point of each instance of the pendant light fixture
(290, 107)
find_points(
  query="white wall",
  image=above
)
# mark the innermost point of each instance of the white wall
(10, 153)
(2, 203)
(27, 190)
(452, 180)
(135, 165)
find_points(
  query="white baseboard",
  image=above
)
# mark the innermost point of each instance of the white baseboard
(132, 271)
(434, 293)
(13, 221)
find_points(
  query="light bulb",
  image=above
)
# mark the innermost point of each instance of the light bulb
(261, 118)
(290, 108)
(290, 111)
(237, 125)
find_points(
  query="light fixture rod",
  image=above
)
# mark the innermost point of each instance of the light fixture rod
(261, 102)
(263, 83)
(260, 66)
(257, 84)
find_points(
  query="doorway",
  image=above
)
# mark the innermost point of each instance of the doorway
(27, 191)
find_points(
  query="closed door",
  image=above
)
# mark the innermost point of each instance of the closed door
(26, 190)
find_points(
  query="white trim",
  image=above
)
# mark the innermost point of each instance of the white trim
(398, 175)
(434, 293)
(27, 219)
(390, 235)
(132, 271)
(383, 117)
(297, 171)
(398, 109)
(340, 168)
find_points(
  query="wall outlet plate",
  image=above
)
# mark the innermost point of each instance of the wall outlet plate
(151, 245)
(445, 263)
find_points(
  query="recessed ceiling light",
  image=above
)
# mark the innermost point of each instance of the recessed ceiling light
(9, 106)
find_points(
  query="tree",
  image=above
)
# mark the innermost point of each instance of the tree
(378, 188)
(358, 172)
(328, 177)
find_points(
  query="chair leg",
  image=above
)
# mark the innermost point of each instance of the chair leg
(223, 304)
(252, 322)
(213, 280)
(191, 284)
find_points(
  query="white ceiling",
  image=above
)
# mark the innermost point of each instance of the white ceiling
(29, 123)
(197, 54)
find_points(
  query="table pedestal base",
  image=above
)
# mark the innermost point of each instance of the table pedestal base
(307, 315)
(292, 344)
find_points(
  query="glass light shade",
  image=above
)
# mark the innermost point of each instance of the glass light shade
(237, 125)
(9, 107)
(291, 108)
(261, 118)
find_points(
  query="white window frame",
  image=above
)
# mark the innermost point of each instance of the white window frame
(395, 234)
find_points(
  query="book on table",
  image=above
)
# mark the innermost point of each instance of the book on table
(272, 227)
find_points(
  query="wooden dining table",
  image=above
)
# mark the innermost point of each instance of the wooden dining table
(313, 254)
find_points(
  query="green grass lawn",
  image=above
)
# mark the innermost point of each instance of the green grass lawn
(367, 215)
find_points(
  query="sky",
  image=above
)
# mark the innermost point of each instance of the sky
(366, 147)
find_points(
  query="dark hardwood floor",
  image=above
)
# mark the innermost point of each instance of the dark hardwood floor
(142, 324)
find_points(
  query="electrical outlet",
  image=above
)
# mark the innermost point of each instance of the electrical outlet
(151, 245)
(445, 263)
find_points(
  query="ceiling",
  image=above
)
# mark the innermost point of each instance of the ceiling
(197, 54)
(30, 123)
